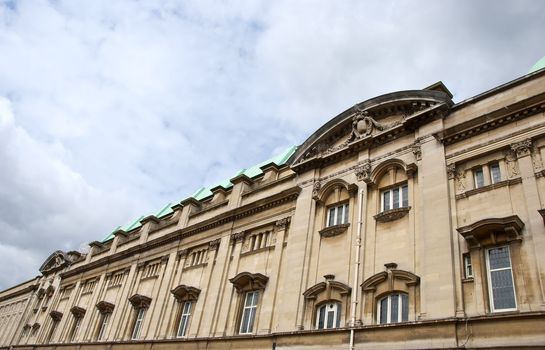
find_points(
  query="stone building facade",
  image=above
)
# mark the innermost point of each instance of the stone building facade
(406, 221)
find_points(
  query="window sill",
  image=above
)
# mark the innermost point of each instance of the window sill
(468, 280)
(486, 188)
(334, 230)
(392, 214)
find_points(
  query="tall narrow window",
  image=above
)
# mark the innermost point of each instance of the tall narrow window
(140, 313)
(184, 319)
(479, 177)
(248, 312)
(500, 277)
(468, 267)
(393, 308)
(394, 198)
(103, 325)
(75, 328)
(495, 174)
(328, 316)
(337, 215)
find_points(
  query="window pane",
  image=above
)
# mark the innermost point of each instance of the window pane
(394, 316)
(479, 177)
(386, 200)
(182, 326)
(321, 317)
(330, 316)
(251, 321)
(345, 220)
(405, 196)
(404, 307)
(495, 173)
(331, 220)
(338, 308)
(499, 258)
(384, 310)
(395, 195)
(502, 289)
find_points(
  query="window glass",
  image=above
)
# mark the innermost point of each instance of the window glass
(103, 325)
(501, 287)
(138, 323)
(468, 267)
(479, 177)
(184, 319)
(495, 173)
(328, 316)
(337, 215)
(386, 200)
(405, 195)
(248, 312)
(393, 308)
(394, 198)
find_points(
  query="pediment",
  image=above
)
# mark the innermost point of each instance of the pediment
(371, 123)
(56, 261)
(185, 293)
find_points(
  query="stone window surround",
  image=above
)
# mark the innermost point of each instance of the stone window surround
(245, 282)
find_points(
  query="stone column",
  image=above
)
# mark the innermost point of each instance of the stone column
(158, 297)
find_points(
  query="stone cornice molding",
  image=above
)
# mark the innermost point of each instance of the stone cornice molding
(77, 311)
(184, 293)
(55, 315)
(389, 276)
(326, 287)
(105, 307)
(492, 231)
(237, 213)
(139, 301)
(246, 281)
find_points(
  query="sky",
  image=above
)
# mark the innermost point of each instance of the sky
(111, 109)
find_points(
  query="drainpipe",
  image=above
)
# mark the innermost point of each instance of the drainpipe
(356, 269)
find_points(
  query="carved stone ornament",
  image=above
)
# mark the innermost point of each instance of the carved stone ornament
(364, 125)
(392, 214)
(363, 171)
(105, 307)
(316, 190)
(460, 180)
(184, 293)
(214, 245)
(282, 224)
(522, 148)
(182, 254)
(246, 281)
(56, 315)
(139, 301)
(77, 311)
(334, 230)
(55, 262)
(536, 159)
(238, 237)
(511, 164)
(417, 151)
(451, 171)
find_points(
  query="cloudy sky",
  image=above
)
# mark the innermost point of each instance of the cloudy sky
(110, 109)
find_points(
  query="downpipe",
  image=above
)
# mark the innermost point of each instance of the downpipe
(356, 269)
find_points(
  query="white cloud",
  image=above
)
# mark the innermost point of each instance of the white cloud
(110, 109)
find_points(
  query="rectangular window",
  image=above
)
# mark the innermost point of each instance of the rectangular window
(468, 267)
(184, 319)
(394, 198)
(138, 324)
(75, 327)
(337, 215)
(248, 312)
(103, 324)
(500, 279)
(495, 174)
(479, 177)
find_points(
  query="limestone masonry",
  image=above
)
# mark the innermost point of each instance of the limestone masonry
(406, 221)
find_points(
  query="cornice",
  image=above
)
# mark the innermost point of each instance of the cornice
(229, 216)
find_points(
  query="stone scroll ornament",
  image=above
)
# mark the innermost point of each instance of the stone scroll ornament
(364, 125)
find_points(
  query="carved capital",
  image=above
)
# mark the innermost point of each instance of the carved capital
(282, 224)
(417, 151)
(182, 254)
(522, 148)
(238, 237)
(363, 171)
(164, 259)
(451, 171)
(214, 245)
(316, 190)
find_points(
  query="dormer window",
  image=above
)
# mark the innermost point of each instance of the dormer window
(337, 215)
(394, 198)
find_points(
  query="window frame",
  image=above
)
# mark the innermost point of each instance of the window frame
(337, 313)
(400, 307)
(185, 317)
(468, 266)
(104, 320)
(138, 322)
(251, 309)
(401, 200)
(491, 166)
(489, 277)
(478, 170)
(75, 328)
(335, 208)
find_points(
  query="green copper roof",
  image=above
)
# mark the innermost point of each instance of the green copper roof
(205, 192)
(539, 65)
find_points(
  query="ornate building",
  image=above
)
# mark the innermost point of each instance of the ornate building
(406, 221)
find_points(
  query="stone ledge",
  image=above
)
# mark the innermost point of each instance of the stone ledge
(392, 214)
(334, 230)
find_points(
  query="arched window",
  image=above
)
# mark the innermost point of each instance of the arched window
(249, 287)
(328, 315)
(140, 303)
(186, 296)
(393, 308)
